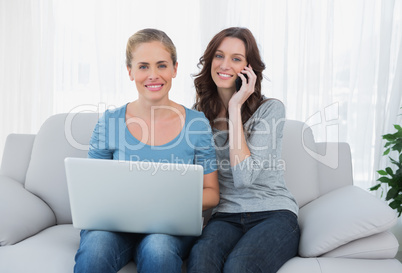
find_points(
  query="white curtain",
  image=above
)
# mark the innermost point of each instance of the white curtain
(26, 66)
(336, 64)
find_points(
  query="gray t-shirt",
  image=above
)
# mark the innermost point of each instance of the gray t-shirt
(256, 183)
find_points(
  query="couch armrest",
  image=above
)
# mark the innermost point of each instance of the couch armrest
(22, 214)
(339, 217)
(338, 172)
(16, 156)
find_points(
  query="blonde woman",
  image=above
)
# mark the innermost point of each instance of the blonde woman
(151, 128)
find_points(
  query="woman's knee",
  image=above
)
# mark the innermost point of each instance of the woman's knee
(100, 251)
(96, 243)
(203, 258)
(159, 253)
(158, 244)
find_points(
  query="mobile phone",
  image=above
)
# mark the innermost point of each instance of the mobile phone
(239, 82)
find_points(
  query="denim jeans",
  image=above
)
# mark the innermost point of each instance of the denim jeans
(246, 242)
(104, 251)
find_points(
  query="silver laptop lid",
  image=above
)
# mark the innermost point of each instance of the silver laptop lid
(138, 197)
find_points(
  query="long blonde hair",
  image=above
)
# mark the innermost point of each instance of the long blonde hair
(149, 35)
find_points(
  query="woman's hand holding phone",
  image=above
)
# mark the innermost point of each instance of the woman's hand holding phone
(245, 84)
(239, 82)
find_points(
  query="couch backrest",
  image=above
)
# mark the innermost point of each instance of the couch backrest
(301, 169)
(61, 136)
(16, 156)
(68, 135)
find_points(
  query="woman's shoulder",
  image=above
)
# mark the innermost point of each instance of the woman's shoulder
(196, 120)
(271, 102)
(192, 113)
(271, 107)
(116, 112)
(112, 114)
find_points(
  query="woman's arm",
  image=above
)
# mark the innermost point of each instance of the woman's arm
(205, 156)
(264, 143)
(210, 196)
(260, 151)
(99, 142)
(238, 148)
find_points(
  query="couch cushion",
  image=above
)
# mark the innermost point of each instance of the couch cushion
(302, 177)
(22, 214)
(383, 245)
(61, 136)
(339, 217)
(340, 265)
(51, 250)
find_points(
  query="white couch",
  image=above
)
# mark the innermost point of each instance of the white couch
(343, 228)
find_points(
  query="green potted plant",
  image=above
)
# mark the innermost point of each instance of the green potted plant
(390, 177)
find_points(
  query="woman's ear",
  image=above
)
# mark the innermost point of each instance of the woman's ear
(175, 70)
(129, 73)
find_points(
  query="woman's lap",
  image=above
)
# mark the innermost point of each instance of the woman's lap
(103, 251)
(258, 242)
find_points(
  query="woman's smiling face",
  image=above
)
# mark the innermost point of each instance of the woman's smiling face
(229, 59)
(152, 69)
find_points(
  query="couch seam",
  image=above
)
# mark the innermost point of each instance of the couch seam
(319, 264)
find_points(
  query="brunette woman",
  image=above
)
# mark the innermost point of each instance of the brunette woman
(254, 228)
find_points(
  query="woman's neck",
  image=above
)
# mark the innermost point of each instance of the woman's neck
(225, 95)
(146, 110)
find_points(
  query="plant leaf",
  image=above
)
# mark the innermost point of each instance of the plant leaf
(389, 137)
(397, 147)
(382, 172)
(398, 134)
(376, 187)
(395, 204)
(389, 171)
(398, 127)
(393, 161)
(384, 179)
(388, 143)
(386, 151)
(392, 193)
(399, 197)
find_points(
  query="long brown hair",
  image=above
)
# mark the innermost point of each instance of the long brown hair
(207, 97)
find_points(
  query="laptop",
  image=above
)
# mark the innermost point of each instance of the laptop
(137, 197)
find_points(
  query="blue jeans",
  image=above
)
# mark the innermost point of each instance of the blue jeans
(104, 251)
(246, 242)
